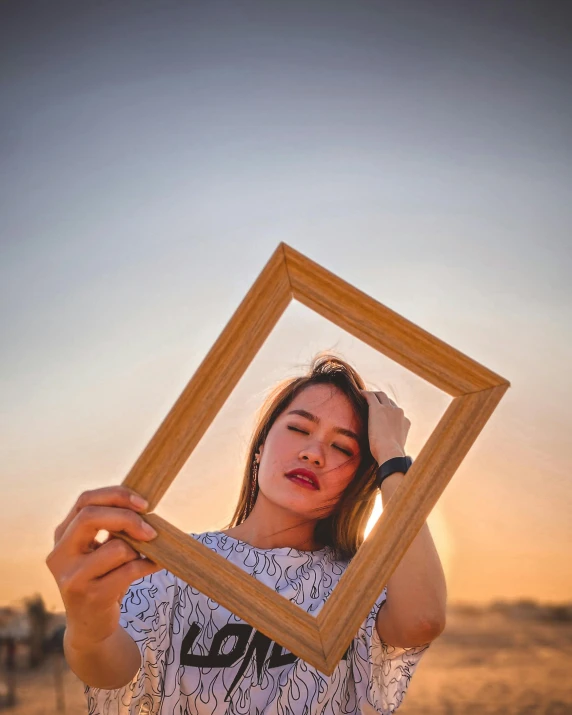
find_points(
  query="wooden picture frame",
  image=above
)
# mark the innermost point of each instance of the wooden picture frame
(319, 640)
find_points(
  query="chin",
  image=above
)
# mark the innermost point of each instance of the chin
(296, 503)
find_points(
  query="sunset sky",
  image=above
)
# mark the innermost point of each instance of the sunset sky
(152, 157)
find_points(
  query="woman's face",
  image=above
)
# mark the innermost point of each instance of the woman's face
(312, 442)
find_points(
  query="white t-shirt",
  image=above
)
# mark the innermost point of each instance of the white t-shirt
(198, 658)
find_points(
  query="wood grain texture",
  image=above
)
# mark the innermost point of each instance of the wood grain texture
(233, 588)
(320, 640)
(385, 330)
(189, 418)
(402, 518)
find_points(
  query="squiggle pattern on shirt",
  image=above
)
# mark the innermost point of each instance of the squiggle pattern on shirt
(198, 658)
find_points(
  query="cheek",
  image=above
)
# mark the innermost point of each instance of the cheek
(276, 444)
(333, 488)
(344, 480)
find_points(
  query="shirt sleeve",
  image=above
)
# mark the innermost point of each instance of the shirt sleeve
(146, 616)
(381, 671)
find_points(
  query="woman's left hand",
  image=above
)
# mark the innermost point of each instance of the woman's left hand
(387, 427)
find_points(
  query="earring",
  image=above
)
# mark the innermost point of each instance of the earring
(253, 485)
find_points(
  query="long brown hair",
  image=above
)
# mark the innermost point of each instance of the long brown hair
(343, 529)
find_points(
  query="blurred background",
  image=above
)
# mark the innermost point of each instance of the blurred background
(152, 157)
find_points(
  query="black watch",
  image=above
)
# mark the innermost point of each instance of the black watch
(397, 464)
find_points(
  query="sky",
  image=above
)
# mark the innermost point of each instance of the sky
(152, 157)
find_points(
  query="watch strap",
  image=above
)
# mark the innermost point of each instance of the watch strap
(396, 464)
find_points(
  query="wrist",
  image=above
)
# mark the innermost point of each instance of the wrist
(392, 482)
(389, 486)
(82, 641)
(399, 465)
(387, 454)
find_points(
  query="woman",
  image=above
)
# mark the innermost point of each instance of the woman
(145, 642)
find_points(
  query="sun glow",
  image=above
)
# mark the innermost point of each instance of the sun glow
(437, 527)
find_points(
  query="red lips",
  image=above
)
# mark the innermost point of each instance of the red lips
(305, 473)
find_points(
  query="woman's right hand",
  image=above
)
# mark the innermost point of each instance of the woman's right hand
(93, 577)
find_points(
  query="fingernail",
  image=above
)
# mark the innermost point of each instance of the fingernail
(139, 501)
(148, 529)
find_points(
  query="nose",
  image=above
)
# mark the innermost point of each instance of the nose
(312, 454)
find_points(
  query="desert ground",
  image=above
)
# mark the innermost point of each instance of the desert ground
(488, 663)
(484, 662)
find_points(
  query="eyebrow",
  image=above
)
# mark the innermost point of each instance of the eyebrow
(313, 418)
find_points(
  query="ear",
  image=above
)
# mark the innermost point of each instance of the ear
(259, 453)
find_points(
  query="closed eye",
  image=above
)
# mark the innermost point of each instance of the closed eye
(345, 451)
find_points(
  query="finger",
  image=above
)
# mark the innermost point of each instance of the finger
(119, 580)
(84, 528)
(382, 397)
(385, 400)
(106, 558)
(370, 396)
(106, 496)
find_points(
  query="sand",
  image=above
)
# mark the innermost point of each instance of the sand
(481, 664)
